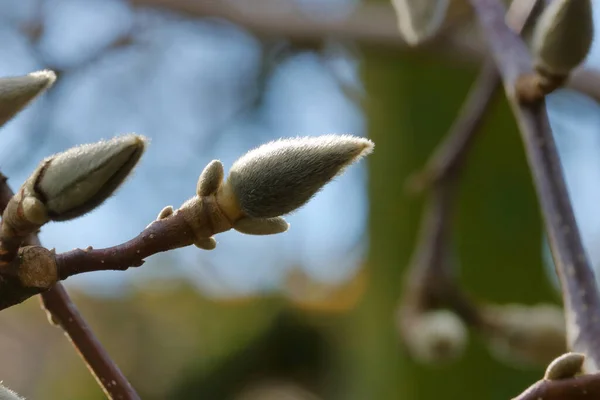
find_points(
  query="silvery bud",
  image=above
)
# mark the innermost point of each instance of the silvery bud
(7, 394)
(436, 337)
(419, 20)
(74, 182)
(17, 92)
(566, 366)
(281, 176)
(563, 36)
(527, 334)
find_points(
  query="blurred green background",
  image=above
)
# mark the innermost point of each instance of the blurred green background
(306, 336)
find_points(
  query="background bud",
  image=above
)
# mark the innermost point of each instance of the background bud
(281, 176)
(210, 179)
(75, 182)
(533, 335)
(7, 394)
(436, 336)
(563, 36)
(17, 92)
(261, 226)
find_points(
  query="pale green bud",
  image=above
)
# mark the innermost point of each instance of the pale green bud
(419, 20)
(210, 179)
(74, 182)
(566, 366)
(436, 337)
(17, 92)
(261, 226)
(206, 243)
(7, 394)
(281, 176)
(165, 213)
(562, 36)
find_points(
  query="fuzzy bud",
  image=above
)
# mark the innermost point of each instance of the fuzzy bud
(7, 394)
(210, 179)
(419, 20)
(531, 335)
(17, 92)
(261, 226)
(566, 366)
(562, 37)
(436, 337)
(281, 176)
(74, 182)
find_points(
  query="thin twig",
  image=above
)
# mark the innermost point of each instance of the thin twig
(64, 313)
(162, 235)
(370, 24)
(450, 154)
(580, 295)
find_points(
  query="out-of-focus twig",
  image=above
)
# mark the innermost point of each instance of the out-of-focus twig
(580, 295)
(431, 283)
(450, 154)
(430, 275)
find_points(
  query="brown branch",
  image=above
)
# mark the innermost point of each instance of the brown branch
(162, 235)
(580, 296)
(64, 313)
(585, 387)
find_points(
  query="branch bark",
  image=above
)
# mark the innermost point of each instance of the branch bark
(580, 295)
(585, 387)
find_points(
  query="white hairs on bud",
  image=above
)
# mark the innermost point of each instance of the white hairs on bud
(210, 179)
(527, 334)
(281, 176)
(17, 92)
(7, 394)
(261, 226)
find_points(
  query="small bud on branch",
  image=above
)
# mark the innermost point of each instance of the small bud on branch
(72, 183)
(566, 366)
(17, 92)
(66, 186)
(7, 394)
